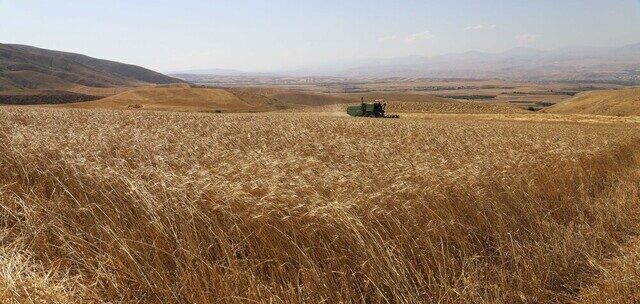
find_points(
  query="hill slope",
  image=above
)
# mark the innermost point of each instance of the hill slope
(613, 103)
(26, 67)
(174, 98)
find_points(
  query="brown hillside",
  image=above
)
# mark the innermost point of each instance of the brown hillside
(613, 103)
(34, 97)
(174, 98)
(26, 67)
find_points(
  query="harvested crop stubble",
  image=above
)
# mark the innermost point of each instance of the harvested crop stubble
(170, 207)
(439, 107)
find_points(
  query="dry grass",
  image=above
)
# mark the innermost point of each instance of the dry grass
(619, 280)
(286, 208)
(23, 280)
(624, 102)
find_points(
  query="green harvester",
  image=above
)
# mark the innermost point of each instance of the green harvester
(374, 109)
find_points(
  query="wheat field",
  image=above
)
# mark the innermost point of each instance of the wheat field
(150, 207)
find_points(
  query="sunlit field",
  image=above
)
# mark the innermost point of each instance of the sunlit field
(128, 206)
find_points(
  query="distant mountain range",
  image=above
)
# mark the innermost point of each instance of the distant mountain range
(221, 72)
(30, 68)
(566, 64)
(25, 67)
(595, 64)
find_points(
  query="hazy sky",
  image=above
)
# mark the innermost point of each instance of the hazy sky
(265, 35)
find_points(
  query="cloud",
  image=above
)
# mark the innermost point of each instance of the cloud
(386, 38)
(426, 35)
(481, 27)
(527, 38)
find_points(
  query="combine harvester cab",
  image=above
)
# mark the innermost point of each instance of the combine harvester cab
(376, 109)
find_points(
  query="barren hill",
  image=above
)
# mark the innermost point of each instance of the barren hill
(181, 97)
(613, 103)
(24, 67)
